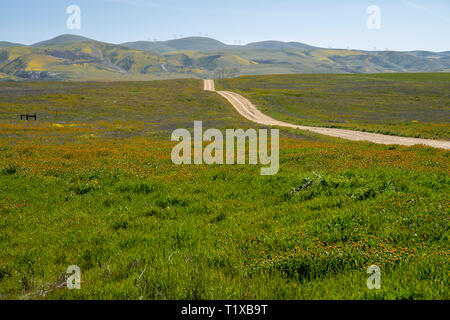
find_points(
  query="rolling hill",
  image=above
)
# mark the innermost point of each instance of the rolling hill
(62, 39)
(191, 44)
(6, 44)
(78, 58)
(278, 45)
(73, 57)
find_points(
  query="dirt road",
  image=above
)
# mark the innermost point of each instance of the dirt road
(209, 85)
(250, 112)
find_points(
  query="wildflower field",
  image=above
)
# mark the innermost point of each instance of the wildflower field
(91, 183)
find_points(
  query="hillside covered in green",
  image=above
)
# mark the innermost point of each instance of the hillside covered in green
(72, 57)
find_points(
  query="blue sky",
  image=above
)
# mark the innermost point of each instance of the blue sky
(405, 24)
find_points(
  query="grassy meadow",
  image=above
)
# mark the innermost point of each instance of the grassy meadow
(412, 105)
(91, 183)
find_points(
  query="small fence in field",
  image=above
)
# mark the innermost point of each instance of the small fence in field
(28, 117)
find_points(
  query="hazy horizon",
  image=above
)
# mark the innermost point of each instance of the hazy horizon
(193, 36)
(404, 25)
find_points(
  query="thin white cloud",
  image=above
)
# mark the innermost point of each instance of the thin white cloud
(412, 4)
(151, 4)
(420, 8)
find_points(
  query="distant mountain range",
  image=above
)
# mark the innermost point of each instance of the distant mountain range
(72, 57)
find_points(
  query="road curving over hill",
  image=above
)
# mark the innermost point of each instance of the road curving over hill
(250, 112)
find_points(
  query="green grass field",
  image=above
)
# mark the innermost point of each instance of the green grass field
(415, 105)
(91, 184)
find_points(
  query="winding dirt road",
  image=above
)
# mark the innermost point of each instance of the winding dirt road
(250, 112)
